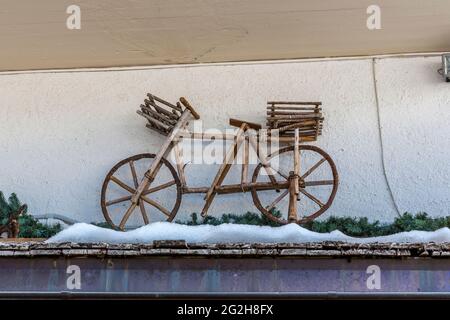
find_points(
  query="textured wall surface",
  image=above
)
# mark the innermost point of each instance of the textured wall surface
(61, 132)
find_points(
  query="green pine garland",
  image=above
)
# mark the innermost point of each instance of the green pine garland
(29, 226)
(356, 227)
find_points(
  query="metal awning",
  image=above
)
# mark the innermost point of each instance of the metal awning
(141, 32)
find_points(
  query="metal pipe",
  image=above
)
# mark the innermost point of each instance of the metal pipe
(55, 216)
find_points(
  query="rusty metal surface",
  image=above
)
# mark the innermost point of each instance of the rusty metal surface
(171, 268)
(331, 295)
(223, 275)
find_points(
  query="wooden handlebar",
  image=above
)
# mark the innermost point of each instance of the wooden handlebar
(189, 107)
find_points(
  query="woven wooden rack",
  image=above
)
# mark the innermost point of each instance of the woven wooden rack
(162, 116)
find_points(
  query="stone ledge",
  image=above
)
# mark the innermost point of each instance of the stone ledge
(181, 248)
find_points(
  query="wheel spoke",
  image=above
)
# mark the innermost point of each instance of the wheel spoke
(118, 200)
(126, 216)
(319, 183)
(282, 174)
(156, 205)
(277, 200)
(143, 212)
(133, 172)
(314, 167)
(136, 184)
(310, 196)
(160, 187)
(122, 184)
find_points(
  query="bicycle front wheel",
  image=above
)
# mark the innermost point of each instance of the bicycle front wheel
(159, 202)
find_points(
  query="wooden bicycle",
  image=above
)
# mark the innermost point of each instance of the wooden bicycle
(283, 185)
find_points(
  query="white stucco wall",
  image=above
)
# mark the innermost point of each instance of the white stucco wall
(61, 132)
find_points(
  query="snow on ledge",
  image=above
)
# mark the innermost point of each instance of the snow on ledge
(231, 233)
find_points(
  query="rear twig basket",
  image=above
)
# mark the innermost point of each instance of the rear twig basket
(288, 116)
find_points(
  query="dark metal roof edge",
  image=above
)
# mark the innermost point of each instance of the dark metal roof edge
(65, 295)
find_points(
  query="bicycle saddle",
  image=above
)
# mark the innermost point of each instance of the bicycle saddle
(238, 123)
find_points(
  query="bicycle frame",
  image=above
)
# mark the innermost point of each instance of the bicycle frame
(288, 122)
(245, 136)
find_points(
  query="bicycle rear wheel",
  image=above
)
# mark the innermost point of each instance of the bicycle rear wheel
(318, 183)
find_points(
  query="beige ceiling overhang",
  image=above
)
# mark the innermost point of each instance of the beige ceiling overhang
(33, 34)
